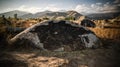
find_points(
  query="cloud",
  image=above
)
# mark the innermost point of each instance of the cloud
(117, 1)
(50, 7)
(93, 8)
(118, 5)
(81, 8)
(98, 8)
(29, 9)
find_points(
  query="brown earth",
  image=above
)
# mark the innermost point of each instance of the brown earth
(106, 56)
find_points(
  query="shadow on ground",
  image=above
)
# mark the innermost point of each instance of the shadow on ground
(106, 56)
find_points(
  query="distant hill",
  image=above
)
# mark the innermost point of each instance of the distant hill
(39, 14)
(73, 14)
(11, 13)
(25, 15)
(62, 13)
(28, 15)
(52, 14)
(36, 15)
(98, 16)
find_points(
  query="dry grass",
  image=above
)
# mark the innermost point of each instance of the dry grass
(109, 33)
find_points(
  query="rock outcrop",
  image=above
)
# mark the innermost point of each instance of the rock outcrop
(57, 36)
(88, 23)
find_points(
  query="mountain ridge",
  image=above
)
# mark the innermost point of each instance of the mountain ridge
(70, 13)
(11, 13)
(52, 14)
(100, 16)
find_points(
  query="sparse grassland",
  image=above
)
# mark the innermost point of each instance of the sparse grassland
(108, 33)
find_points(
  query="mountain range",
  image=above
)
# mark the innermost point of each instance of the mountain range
(100, 16)
(52, 14)
(24, 15)
(11, 13)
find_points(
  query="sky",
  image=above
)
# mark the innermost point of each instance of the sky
(81, 6)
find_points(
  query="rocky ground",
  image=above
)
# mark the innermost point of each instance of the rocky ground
(106, 56)
(23, 55)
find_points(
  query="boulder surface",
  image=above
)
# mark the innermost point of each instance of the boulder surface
(57, 36)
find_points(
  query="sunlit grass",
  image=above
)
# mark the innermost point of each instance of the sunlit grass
(109, 33)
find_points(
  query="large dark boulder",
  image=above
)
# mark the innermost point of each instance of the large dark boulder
(88, 23)
(57, 36)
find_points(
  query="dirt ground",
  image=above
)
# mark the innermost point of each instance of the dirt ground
(106, 56)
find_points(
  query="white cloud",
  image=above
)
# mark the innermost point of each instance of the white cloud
(29, 9)
(99, 4)
(81, 8)
(84, 9)
(117, 1)
(96, 8)
(51, 7)
(118, 5)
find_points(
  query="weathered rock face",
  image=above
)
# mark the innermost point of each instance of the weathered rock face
(57, 36)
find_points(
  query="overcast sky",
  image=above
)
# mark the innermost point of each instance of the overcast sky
(82, 6)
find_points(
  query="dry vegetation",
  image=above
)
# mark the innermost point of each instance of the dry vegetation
(108, 33)
(108, 29)
(107, 56)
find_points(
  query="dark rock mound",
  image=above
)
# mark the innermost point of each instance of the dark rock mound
(88, 23)
(57, 36)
